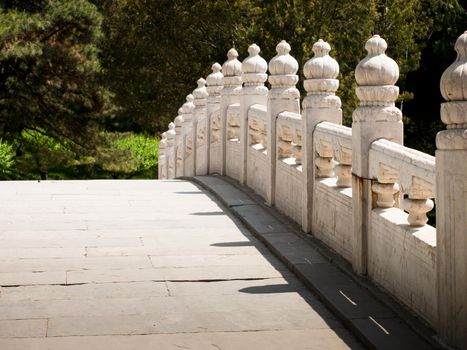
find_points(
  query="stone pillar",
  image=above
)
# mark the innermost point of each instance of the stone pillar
(214, 88)
(451, 202)
(283, 96)
(377, 117)
(200, 94)
(320, 104)
(178, 143)
(170, 151)
(232, 81)
(162, 159)
(254, 75)
(187, 114)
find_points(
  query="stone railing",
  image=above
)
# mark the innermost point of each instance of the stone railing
(358, 189)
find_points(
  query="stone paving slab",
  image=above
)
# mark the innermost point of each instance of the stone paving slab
(143, 289)
(146, 265)
(375, 324)
(319, 339)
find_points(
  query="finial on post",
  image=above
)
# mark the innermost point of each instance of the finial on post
(171, 134)
(200, 93)
(254, 67)
(214, 80)
(376, 68)
(187, 109)
(163, 141)
(321, 72)
(232, 70)
(179, 121)
(283, 65)
(453, 87)
(376, 75)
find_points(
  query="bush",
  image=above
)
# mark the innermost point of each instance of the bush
(128, 155)
(7, 156)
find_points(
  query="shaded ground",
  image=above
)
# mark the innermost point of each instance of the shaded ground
(145, 264)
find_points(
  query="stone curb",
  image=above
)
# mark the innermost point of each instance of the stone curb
(370, 314)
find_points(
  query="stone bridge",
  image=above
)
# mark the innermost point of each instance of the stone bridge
(358, 191)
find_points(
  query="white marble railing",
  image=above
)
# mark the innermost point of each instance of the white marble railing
(333, 145)
(358, 189)
(257, 128)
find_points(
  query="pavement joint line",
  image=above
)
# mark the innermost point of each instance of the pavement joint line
(421, 333)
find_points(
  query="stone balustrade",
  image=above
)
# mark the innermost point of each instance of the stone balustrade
(338, 163)
(358, 189)
(405, 172)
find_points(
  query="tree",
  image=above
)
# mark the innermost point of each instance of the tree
(155, 51)
(49, 68)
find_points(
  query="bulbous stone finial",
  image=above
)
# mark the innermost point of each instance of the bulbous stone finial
(179, 118)
(283, 48)
(321, 66)
(376, 68)
(171, 131)
(453, 87)
(376, 75)
(254, 63)
(232, 54)
(254, 67)
(283, 63)
(163, 141)
(200, 93)
(321, 84)
(253, 50)
(215, 78)
(232, 67)
(453, 83)
(171, 135)
(188, 107)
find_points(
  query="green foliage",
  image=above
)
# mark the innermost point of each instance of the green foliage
(129, 155)
(73, 70)
(38, 154)
(49, 68)
(7, 155)
(156, 50)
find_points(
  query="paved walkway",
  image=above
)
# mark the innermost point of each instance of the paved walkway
(145, 265)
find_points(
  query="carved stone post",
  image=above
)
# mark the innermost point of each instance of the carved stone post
(178, 151)
(320, 104)
(377, 117)
(254, 75)
(232, 81)
(170, 151)
(451, 202)
(284, 96)
(200, 94)
(162, 159)
(214, 88)
(187, 114)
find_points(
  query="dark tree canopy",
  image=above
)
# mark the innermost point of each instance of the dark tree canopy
(70, 70)
(49, 68)
(156, 50)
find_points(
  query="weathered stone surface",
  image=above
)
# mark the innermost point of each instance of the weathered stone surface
(142, 264)
(272, 340)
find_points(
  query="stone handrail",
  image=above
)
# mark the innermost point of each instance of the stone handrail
(401, 169)
(333, 144)
(289, 136)
(257, 127)
(346, 186)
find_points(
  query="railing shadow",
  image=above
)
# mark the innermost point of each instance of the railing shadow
(291, 283)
